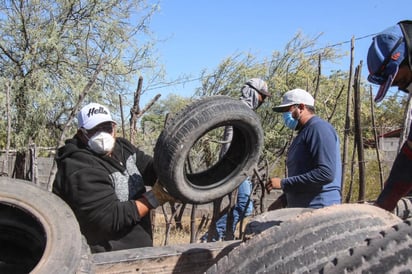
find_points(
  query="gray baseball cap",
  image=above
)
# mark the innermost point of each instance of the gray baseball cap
(294, 97)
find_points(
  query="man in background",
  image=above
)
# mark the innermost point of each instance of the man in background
(313, 161)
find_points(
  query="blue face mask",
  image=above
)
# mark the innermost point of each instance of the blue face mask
(290, 122)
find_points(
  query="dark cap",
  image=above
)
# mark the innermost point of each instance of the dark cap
(385, 54)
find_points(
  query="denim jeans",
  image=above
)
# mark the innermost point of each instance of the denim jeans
(243, 208)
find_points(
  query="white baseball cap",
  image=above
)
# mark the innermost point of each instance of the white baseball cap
(295, 97)
(92, 115)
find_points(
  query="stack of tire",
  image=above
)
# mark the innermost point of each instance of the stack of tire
(40, 234)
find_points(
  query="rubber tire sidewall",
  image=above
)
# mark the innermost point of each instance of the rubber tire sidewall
(176, 140)
(65, 250)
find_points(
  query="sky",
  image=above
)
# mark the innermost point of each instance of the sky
(198, 34)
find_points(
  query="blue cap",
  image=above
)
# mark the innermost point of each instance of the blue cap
(385, 54)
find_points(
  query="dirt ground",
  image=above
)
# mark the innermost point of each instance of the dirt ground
(183, 235)
(176, 235)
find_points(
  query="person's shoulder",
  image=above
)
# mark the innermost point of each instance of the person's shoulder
(124, 141)
(320, 124)
(321, 121)
(314, 122)
(72, 149)
(125, 144)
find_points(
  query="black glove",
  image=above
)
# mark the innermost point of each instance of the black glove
(158, 196)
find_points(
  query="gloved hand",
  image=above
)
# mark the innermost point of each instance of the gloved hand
(158, 196)
(161, 194)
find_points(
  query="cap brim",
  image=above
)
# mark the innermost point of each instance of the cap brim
(267, 94)
(281, 108)
(259, 91)
(383, 89)
(94, 124)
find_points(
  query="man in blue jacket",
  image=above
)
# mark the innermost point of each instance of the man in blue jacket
(313, 160)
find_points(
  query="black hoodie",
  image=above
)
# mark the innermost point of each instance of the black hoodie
(101, 191)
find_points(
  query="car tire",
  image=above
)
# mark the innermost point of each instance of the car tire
(266, 220)
(180, 135)
(39, 232)
(390, 251)
(306, 242)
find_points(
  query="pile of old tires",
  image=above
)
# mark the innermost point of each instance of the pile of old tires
(347, 238)
(40, 234)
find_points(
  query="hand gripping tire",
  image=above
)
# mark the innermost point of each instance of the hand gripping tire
(180, 135)
(39, 232)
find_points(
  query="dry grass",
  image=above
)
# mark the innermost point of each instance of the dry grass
(176, 236)
(181, 236)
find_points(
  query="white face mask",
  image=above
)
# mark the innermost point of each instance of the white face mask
(101, 143)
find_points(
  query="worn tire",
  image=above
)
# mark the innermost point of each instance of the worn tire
(307, 242)
(388, 252)
(180, 135)
(39, 232)
(269, 219)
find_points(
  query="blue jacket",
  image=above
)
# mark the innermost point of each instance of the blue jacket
(314, 167)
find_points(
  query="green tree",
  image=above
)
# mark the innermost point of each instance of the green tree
(300, 65)
(51, 49)
(390, 112)
(153, 121)
(294, 67)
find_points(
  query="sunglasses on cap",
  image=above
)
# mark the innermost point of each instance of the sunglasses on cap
(386, 70)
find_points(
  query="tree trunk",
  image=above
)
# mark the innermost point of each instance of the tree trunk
(347, 119)
(122, 116)
(375, 136)
(358, 135)
(19, 165)
(5, 170)
(135, 110)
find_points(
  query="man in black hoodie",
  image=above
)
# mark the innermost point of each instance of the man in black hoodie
(102, 178)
